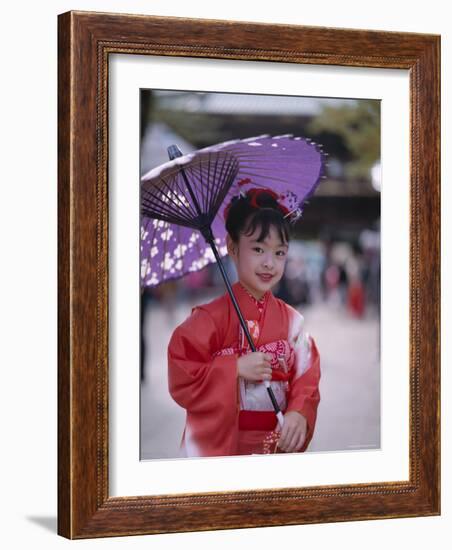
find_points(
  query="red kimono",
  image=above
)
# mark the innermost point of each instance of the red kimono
(227, 415)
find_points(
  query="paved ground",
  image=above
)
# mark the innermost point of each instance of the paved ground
(349, 411)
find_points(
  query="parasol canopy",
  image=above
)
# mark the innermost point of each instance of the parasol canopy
(172, 215)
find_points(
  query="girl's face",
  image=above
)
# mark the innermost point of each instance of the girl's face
(260, 265)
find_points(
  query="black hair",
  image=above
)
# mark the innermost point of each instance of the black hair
(244, 217)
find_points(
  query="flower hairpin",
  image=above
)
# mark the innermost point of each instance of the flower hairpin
(294, 214)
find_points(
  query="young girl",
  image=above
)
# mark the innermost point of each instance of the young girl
(212, 372)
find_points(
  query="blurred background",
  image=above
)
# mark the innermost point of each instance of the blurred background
(333, 269)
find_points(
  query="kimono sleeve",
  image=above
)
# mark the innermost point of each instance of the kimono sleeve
(304, 393)
(198, 381)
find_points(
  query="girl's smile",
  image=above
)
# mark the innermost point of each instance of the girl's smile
(264, 277)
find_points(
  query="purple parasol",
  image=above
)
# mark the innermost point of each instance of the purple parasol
(171, 244)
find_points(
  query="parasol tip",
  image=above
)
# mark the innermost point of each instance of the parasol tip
(174, 152)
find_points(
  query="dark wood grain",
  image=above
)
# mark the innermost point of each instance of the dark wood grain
(85, 508)
(64, 295)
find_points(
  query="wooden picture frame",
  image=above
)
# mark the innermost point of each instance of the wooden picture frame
(86, 40)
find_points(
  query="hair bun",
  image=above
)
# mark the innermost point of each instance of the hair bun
(263, 198)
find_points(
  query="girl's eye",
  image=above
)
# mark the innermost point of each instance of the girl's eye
(257, 249)
(281, 253)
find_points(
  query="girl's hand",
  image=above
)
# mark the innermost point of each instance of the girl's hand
(293, 433)
(255, 366)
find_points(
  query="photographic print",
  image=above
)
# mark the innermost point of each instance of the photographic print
(260, 274)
